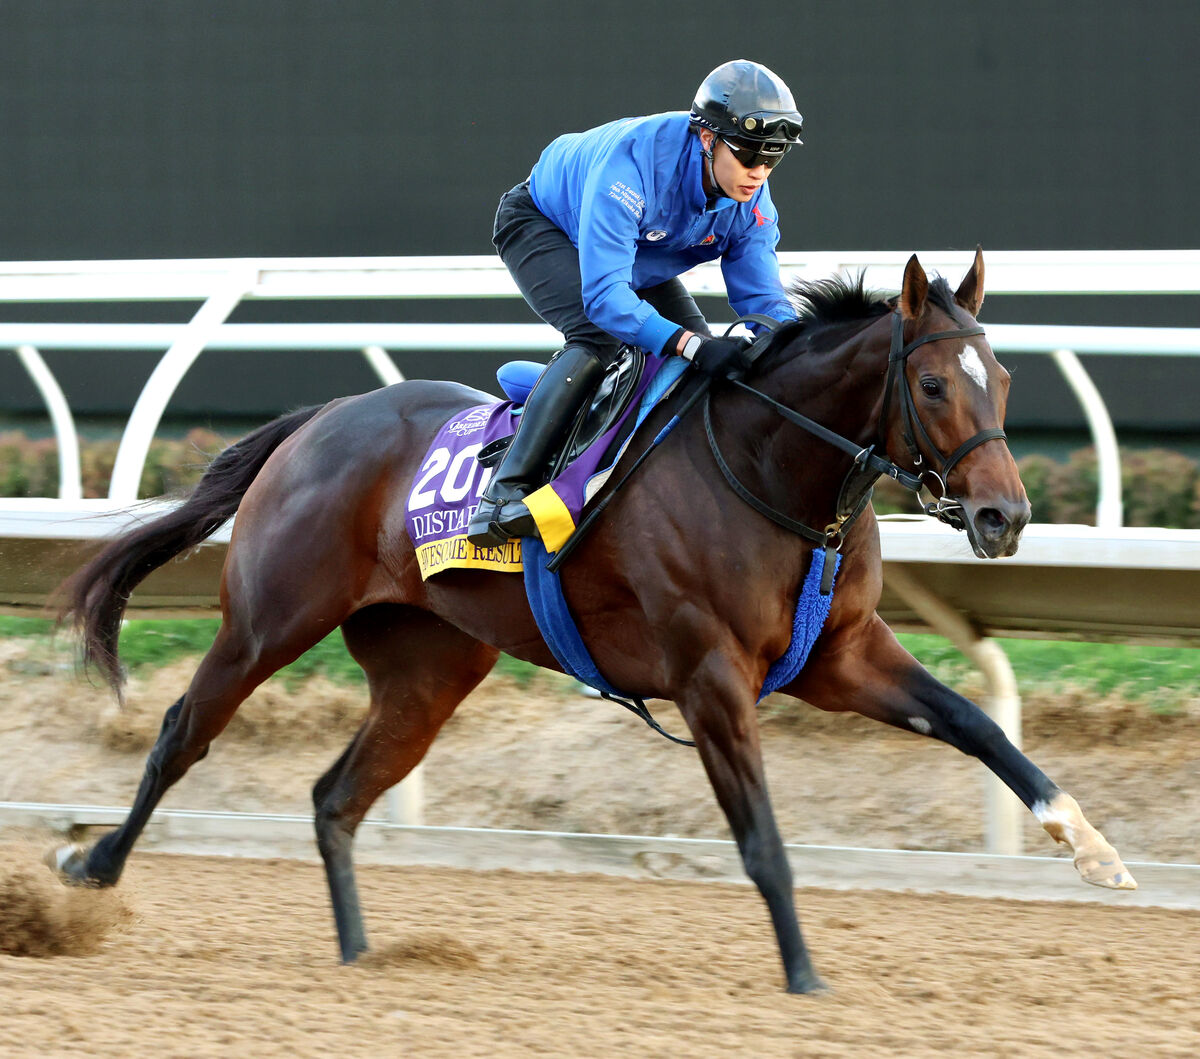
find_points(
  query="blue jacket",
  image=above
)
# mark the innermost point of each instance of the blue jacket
(630, 196)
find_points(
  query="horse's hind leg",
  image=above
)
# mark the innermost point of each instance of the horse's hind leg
(419, 669)
(870, 673)
(234, 666)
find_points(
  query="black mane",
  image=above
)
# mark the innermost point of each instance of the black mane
(842, 301)
(839, 299)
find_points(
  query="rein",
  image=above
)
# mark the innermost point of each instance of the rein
(868, 466)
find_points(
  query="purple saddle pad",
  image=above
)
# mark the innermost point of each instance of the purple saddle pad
(450, 481)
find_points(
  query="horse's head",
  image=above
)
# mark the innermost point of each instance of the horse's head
(944, 410)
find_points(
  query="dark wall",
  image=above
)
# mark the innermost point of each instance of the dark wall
(179, 128)
(175, 128)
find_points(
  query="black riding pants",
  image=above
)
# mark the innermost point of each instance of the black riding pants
(545, 264)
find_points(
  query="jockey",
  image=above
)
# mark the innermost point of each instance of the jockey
(598, 235)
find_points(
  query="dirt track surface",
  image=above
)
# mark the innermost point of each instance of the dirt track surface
(228, 957)
(197, 956)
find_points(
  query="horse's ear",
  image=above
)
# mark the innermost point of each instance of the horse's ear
(914, 291)
(970, 291)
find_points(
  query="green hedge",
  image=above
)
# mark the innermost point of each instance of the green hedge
(1161, 487)
(30, 468)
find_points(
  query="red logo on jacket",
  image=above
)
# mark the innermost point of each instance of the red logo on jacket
(761, 219)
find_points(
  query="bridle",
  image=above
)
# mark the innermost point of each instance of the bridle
(868, 465)
(942, 506)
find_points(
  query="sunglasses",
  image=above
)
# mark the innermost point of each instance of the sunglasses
(750, 157)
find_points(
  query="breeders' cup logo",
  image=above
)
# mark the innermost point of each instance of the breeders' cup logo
(656, 235)
(474, 420)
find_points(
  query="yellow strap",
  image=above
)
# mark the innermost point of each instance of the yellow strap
(554, 521)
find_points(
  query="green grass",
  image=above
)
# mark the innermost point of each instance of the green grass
(1162, 677)
(148, 644)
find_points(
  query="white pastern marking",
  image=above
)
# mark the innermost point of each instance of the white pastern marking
(1049, 815)
(972, 364)
(921, 725)
(1044, 811)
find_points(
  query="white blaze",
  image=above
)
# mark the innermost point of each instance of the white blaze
(972, 364)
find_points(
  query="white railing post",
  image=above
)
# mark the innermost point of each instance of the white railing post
(406, 800)
(1110, 512)
(152, 401)
(70, 481)
(383, 365)
(1002, 703)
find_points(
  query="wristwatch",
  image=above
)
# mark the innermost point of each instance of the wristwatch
(691, 347)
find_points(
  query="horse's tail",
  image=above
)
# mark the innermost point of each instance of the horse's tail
(95, 596)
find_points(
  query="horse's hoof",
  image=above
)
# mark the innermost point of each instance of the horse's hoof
(1105, 869)
(69, 863)
(809, 985)
(1095, 859)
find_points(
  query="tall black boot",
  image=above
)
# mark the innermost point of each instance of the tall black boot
(568, 382)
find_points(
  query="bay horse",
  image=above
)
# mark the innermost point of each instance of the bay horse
(682, 591)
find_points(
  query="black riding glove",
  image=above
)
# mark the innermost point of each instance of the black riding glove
(723, 358)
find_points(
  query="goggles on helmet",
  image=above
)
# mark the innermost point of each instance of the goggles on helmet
(755, 153)
(770, 125)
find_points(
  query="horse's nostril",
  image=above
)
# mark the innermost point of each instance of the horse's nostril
(991, 522)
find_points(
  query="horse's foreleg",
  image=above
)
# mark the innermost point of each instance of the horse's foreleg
(721, 715)
(419, 669)
(871, 674)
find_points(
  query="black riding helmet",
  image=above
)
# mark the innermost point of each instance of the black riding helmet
(746, 101)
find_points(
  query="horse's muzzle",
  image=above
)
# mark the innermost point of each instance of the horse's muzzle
(994, 529)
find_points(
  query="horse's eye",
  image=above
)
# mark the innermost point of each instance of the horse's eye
(931, 387)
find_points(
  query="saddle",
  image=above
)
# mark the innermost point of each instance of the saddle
(609, 403)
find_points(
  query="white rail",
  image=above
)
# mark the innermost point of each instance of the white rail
(222, 284)
(185, 342)
(1016, 338)
(1008, 272)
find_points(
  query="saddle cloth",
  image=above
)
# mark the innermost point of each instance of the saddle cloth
(450, 481)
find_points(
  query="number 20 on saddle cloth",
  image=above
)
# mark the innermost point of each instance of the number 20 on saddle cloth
(450, 480)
